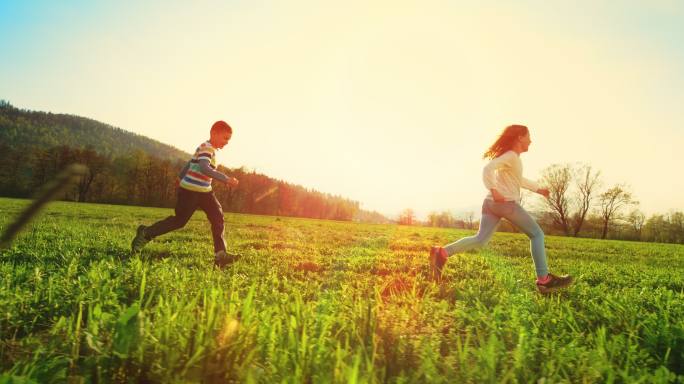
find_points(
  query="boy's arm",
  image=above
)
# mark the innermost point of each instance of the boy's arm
(182, 173)
(206, 169)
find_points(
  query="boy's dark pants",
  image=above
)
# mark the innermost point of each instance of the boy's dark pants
(187, 203)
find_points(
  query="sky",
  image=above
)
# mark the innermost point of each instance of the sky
(389, 103)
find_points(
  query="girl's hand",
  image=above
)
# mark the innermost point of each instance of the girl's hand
(499, 198)
(233, 182)
(544, 192)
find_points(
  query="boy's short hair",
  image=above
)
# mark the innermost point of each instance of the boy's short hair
(221, 126)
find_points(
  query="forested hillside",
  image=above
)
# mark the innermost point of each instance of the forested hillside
(125, 168)
(43, 129)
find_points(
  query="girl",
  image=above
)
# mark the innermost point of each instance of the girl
(503, 178)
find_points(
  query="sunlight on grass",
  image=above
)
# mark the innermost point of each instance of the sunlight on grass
(322, 301)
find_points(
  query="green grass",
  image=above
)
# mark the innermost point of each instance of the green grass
(322, 301)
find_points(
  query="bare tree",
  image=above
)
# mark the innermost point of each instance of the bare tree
(469, 218)
(611, 202)
(433, 219)
(444, 219)
(636, 219)
(407, 216)
(558, 178)
(586, 184)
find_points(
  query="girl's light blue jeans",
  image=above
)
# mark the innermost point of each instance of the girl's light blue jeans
(492, 213)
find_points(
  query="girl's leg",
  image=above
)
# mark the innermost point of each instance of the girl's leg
(488, 224)
(521, 219)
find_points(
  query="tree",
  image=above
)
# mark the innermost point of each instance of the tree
(676, 227)
(95, 164)
(655, 229)
(611, 203)
(557, 178)
(446, 220)
(15, 171)
(433, 219)
(469, 219)
(407, 216)
(636, 219)
(667, 228)
(370, 217)
(586, 184)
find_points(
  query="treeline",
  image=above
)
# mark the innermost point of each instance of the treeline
(580, 205)
(35, 146)
(141, 179)
(443, 219)
(630, 225)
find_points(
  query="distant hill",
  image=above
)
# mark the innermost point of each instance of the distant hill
(126, 168)
(20, 127)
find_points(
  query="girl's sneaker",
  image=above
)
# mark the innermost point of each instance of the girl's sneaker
(438, 258)
(554, 283)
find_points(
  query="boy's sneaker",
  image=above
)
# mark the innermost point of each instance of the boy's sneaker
(554, 283)
(438, 257)
(140, 240)
(221, 259)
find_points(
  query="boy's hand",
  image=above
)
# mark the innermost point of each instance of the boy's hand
(233, 182)
(544, 192)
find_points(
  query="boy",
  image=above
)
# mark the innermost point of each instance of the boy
(194, 192)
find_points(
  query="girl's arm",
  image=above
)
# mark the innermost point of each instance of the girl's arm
(488, 172)
(534, 187)
(529, 184)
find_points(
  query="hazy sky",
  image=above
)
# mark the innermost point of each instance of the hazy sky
(390, 103)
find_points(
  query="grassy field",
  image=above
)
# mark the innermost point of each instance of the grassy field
(319, 301)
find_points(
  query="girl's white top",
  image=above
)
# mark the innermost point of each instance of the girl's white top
(504, 174)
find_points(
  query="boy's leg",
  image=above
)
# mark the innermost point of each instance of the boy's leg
(521, 219)
(214, 212)
(186, 204)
